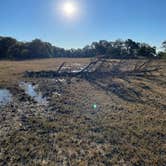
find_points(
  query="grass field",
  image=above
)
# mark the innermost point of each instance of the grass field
(10, 71)
(83, 125)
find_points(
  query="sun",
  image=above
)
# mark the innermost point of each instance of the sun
(70, 9)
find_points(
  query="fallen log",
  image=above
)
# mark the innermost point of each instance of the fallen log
(95, 68)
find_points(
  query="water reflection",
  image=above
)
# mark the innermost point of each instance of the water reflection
(5, 97)
(30, 90)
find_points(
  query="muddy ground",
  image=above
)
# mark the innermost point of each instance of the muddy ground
(83, 124)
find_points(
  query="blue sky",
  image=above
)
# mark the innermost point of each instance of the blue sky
(141, 20)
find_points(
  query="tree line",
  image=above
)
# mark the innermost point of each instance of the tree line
(12, 49)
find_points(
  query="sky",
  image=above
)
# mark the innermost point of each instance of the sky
(94, 20)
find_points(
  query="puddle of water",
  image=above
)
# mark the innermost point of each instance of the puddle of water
(56, 94)
(30, 91)
(5, 97)
(61, 80)
(78, 67)
(75, 71)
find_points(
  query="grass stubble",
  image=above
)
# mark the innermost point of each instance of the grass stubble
(71, 131)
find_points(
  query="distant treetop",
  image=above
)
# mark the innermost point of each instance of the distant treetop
(12, 49)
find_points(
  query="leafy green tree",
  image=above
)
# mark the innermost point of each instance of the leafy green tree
(147, 51)
(12, 49)
(5, 44)
(132, 48)
(164, 46)
(162, 55)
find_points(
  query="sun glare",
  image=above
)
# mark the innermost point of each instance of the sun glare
(69, 9)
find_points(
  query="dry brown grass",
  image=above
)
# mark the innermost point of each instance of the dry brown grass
(71, 132)
(11, 71)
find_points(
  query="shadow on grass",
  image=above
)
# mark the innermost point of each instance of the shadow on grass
(126, 93)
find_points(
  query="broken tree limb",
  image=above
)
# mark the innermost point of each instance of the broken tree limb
(60, 67)
(101, 67)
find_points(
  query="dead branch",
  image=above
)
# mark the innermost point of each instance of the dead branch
(60, 67)
(102, 67)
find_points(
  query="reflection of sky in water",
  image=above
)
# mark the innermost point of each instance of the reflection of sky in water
(30, 90)
(5, 97)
